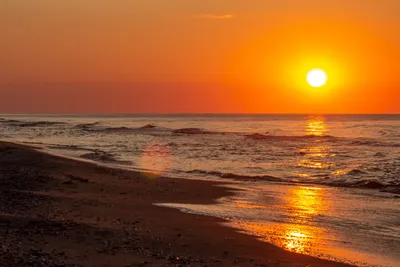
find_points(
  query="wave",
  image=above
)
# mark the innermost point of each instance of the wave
(356, 126)
(379, 155)
(355, 172)
(237, 176)
(330, 138)
(104, 157)
(148, 128)
(373, 184)
(258, 136)
(9, 121)
(155, 130)
(373, 142)
(369, 184)
(94, 154)
(192, 131)
(387, 132)
(71, 147)
(362, 184)
(86, 125)
(41, 123)
(18, 123)
(123, 129)
(392, 189)
(119, 129)
(364, 142)
(61, 147)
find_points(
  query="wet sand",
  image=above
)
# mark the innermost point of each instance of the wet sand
(61, 212)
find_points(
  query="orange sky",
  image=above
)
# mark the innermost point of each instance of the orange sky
(199, 56)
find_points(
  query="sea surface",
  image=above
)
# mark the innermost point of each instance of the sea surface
(323, 185)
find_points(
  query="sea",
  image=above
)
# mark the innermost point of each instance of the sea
(321, 185)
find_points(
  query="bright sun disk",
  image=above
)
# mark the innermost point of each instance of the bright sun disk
(316, 78)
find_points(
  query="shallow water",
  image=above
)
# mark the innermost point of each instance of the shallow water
(335, 178)
(355, 226)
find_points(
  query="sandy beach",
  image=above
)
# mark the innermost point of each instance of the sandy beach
(61, 212)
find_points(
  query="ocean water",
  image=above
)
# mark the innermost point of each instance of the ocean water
(323, 185)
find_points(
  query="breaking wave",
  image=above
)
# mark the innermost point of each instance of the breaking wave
(104, 157)
(391, 187)
(18, 123)
(41, 123)
(258, 136)
(9, 121)
(192, 131)
(148, 128)
(372, 142)
(87, 125)
(237, 176)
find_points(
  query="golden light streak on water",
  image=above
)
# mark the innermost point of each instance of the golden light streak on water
(298, 234)
(305, 202)
(315, 155)
(316, 126)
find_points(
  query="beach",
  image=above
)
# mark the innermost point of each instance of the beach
(200, 133)
(62, 212)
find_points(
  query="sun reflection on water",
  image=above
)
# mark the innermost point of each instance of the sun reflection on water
(315, 155)
(298, 229)
(296, 241)
(298, 232)
(304, 203)
(316, 126)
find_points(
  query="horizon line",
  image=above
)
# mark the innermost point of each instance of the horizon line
(194, 113)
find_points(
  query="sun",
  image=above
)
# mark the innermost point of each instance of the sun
(317, 78)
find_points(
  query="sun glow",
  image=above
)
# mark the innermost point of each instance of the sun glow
(316, 78)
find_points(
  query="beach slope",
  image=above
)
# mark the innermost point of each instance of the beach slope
(61, 212)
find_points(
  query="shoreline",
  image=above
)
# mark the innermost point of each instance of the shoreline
(57, 210)
(364, 185)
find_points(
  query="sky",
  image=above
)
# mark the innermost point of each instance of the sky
(199, 56)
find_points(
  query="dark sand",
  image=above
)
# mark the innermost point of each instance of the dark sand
(60, 212)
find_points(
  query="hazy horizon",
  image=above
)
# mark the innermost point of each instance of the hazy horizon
(199, 114)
